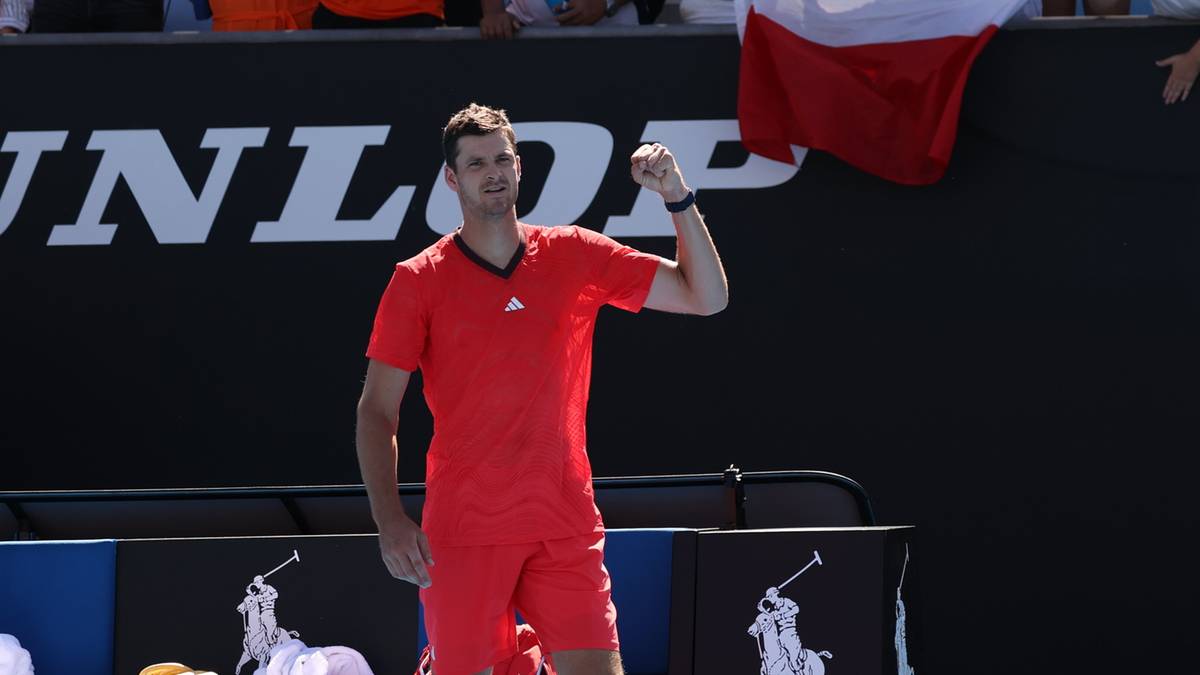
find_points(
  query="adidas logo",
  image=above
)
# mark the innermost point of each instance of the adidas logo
(513, 305)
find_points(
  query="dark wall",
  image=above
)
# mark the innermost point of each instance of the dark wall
(1004, 359)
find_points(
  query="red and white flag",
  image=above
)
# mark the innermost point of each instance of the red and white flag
(877, 83)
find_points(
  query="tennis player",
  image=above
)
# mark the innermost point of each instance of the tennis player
(499, 317)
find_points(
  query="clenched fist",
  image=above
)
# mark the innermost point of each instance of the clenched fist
(654, 169)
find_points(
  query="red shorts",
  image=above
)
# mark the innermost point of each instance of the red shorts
(559, 586)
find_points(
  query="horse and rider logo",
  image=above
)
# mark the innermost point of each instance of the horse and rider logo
(261, 631)
(901, 642)
(774, 630)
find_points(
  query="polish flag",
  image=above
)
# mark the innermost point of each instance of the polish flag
(877, 83)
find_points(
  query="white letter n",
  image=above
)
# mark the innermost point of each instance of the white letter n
(174, 214)
(29, 146)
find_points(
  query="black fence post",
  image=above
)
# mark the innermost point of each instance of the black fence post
(735, 492)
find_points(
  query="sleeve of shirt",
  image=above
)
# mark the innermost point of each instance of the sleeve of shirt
(398, 337)
(621, 275)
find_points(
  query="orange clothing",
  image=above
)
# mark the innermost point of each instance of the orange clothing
(377, 10)
(250, 15)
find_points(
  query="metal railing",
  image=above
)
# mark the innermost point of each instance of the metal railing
(301, 501)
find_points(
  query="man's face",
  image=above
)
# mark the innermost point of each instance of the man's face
(486, 174)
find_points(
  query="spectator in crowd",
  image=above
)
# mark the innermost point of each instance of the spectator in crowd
(722, 11)
(707, 11)
(1184, 69)
(256, 15)
(97, 16)
(503, 18)
(1177, 9)
(1090, 7)
(333, 14)
(14, 16)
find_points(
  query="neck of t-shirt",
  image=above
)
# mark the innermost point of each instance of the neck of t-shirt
(495, 242)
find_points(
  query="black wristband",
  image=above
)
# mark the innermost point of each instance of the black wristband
(681, 205)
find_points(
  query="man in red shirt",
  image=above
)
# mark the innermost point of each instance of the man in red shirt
(499, 318)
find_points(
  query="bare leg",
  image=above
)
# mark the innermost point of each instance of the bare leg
(588, 662)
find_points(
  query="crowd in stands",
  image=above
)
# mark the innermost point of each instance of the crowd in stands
(497, 19)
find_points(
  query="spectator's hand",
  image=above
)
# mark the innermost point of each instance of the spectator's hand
(1184, 68)
(405, 551)
(654, 168)
(581, 12)
(498, 26)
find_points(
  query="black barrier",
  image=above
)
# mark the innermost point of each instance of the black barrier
(992, 356)
(222, 604)
(807, 601)
(786, 600)
(779, 498)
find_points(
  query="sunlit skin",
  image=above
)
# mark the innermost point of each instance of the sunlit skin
(486, 177)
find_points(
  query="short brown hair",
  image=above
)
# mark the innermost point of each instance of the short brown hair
(474, 120)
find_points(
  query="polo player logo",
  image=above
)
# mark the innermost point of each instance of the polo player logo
(261, 632)
(774, 630)
(902, 667)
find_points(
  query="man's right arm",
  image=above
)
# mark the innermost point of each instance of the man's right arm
(403, 545)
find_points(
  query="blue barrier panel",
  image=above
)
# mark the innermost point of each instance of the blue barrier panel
(639, 562)
(57, 598)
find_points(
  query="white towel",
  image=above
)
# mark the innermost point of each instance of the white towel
(295, 658)
(280, 653)
(13, 659)
(15, 14)
(346, 661)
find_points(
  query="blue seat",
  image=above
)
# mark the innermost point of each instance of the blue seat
(58, 599)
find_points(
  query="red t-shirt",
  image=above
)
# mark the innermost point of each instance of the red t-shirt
(506, 357)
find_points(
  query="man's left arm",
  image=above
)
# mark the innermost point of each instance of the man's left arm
(693, 283)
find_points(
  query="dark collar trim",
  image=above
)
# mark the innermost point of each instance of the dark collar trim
(474, 257)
